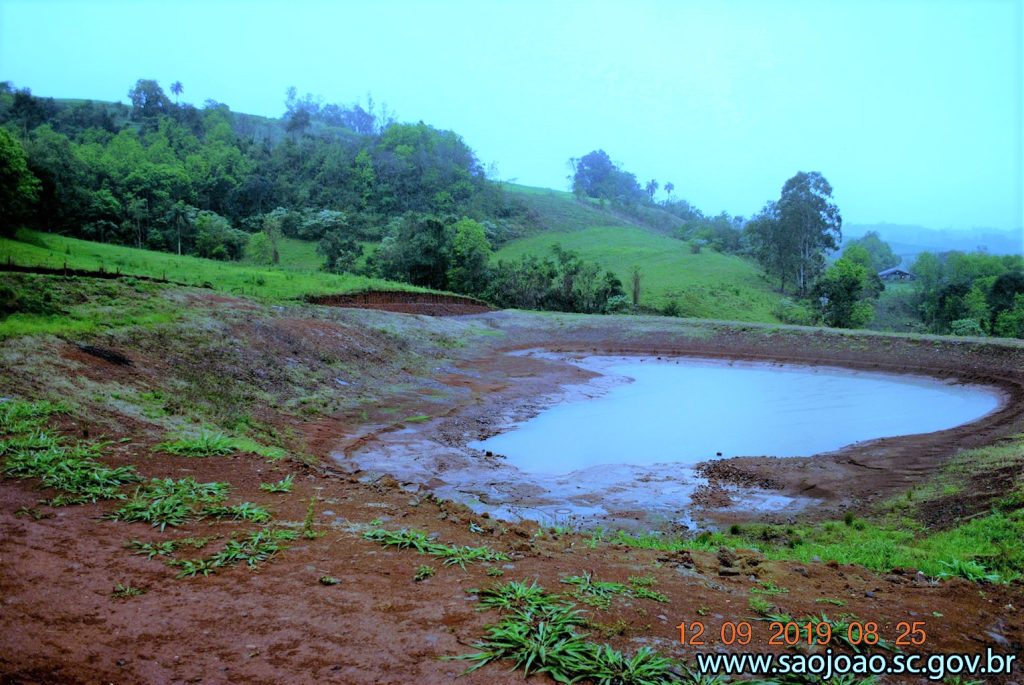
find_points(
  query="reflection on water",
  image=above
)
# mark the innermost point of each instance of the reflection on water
(689, 410)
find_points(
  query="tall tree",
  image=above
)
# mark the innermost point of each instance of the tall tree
(177, 89)
(807, 213)
(669, 187)
(651, 188)
(19, 189)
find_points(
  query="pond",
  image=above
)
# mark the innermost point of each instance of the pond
(684, 411)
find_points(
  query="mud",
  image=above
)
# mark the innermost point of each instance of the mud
(514, 385)
(277, 623)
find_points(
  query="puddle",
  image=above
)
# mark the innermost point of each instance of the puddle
(689, 410)
(620, 448)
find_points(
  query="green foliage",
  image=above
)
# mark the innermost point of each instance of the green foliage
(340, 251)
(709, 285)
(308, 527)
(841, 291)
(470, 255)
(790, 236)
(424, 544)
(539, 634)
(876, 254)
(329, 580)
(960, 287)
(596, 175)
(206, 444)
(167, 502)
(246, 511)
(423, 572)
(254, 549)
(30, 451)
(19, 189)
(283, 485)
(126, 591)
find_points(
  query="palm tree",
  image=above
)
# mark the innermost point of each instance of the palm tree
(669, 187)
(177, 89)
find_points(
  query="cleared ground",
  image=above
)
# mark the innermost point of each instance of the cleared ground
(287, 386)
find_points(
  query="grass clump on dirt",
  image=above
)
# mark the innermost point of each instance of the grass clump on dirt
(246, 511)
(206, 444)
(425, 544)
(541, 635)
(283, 485)
(31, 451)
(254, 549)
(126, 591)
(167, 502)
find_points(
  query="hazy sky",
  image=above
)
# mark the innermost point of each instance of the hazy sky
(912, 110)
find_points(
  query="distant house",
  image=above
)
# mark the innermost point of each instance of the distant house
(896, 274)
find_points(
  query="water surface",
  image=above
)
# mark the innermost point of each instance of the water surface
(689, 410)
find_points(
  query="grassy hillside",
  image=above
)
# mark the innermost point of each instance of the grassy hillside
(558, 210)
(707, 285)
(296, 276)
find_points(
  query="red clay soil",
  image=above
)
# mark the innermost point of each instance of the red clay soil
(279, 624)
(429, 304)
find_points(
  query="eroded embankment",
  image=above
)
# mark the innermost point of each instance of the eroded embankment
(429, 304)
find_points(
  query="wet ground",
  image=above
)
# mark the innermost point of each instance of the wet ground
(374, 379)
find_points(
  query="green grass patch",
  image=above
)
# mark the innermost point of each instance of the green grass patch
(252, 550)
(706, 285)
(298, 275)
(283, 485)
(246, 511)
(425, 544)
(79, 307)
(31, 451)
(206, 444)
(126, 591)
(167, 502)
(540, 634)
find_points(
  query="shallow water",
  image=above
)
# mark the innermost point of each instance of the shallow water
(688, 410)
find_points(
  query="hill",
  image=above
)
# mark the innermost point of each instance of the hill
(705, 285)
(296, 276)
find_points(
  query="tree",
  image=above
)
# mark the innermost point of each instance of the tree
(19, 189)
(669, 188)
(651, 188)
(635, 277)
(807, 213)
(840, 293)
(881, 255)
(470, 255)
(148, 101)
(178, 217)
(340, 251)
(259, 250)
(595, 175)
(177, 89)
(773, 246)
(1010, 322)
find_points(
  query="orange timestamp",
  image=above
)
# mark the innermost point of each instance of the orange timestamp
(792, 633)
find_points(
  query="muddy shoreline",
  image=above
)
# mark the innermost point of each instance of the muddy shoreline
(740, 488)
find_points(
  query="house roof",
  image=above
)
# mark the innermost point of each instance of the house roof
(893, 271)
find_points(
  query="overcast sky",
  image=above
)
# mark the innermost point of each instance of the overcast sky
(912, 110)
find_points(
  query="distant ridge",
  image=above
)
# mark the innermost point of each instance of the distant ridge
(908, 240)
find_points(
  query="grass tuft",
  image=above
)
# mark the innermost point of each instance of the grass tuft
(206, 444)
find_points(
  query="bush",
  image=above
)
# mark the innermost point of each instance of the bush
(788, 311)
(965, 327)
